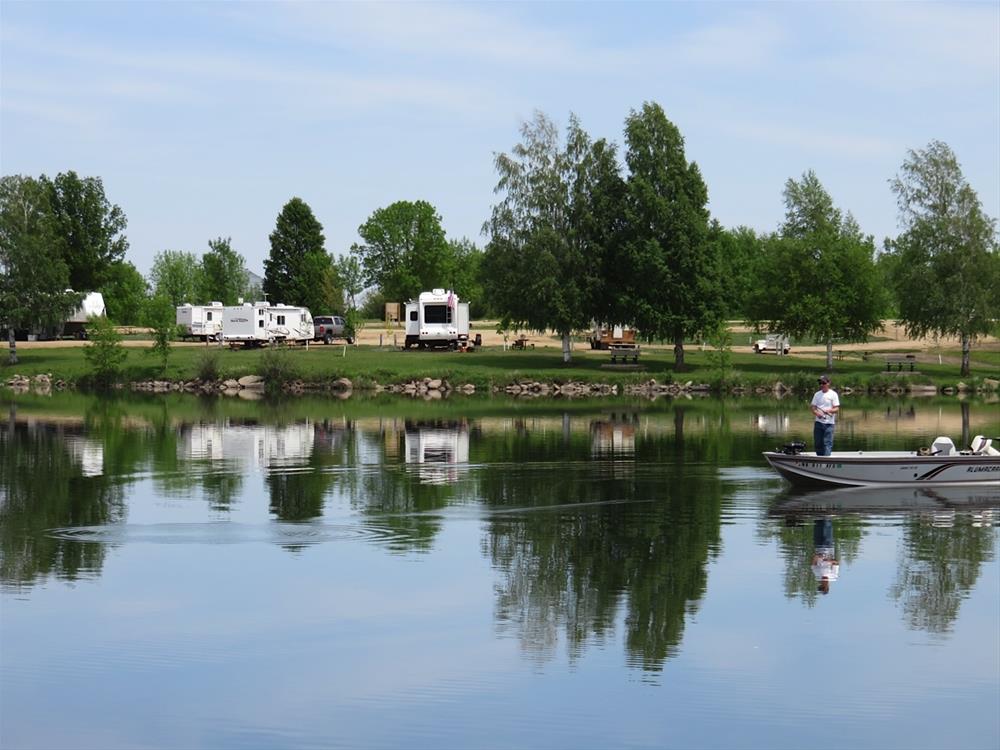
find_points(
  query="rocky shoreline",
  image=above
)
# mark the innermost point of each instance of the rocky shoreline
(254, 387)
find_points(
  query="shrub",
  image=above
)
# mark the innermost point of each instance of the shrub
(104, 352)
(277, 368)
(209, 365)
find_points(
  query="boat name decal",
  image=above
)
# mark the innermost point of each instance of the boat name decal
(984, 468)
(818, 465)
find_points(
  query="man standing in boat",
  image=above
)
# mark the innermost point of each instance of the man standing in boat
(825, 405)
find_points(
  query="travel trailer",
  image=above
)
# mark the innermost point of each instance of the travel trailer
(437, 319)
(76, 324)
(200, 321)
(259, 323)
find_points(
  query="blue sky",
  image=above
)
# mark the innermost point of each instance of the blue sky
(204, 119)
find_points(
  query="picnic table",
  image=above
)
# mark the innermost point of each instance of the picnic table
(898, 360)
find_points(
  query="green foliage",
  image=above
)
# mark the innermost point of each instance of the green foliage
(298, 270)
(125, 293)
(351, 278)
(374, 306)
(720, 358)
(817, 277)
(277, 366)
(946, 264)
(404, 250)
(465, 277)
(88, 228)
(352, 322)
(670, 266)
(104, 351)
(736, 250)
(177, 276)
(542, 264)
(161, 318)
(208, 366)
(223, 273)
(33, 274)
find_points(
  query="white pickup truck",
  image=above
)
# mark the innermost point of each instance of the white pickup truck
(326, 328)
(773, 344)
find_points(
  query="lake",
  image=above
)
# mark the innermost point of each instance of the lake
(483, 573)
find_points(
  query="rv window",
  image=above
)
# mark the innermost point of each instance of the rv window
(208, 315)
(260, 323)
(281, 320)
(437, 314)
(302, 318)
(413, 314)
(260, 311)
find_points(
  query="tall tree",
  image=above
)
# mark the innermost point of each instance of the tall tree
(223, 273)
(88, 226)
(405, 250)
(351, 277)
(125, 293)
(817, 277)
(541, 267)
(33, 274)
(298, 270)
(176, 275)
(672, 268)
(947, 270)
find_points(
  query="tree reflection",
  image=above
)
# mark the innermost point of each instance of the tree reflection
(44, 487)
(597, 541)
(940, 561)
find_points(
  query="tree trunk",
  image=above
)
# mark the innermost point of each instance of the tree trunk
(565, 348)
(12, 343)
(966, 353)
(829, 355)
(679, 352)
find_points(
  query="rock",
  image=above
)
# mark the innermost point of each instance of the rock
(991, 384)
(343, 384)
(248, 380)
(433, 385)
(231, 385)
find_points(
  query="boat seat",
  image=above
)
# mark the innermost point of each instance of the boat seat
(942, 446)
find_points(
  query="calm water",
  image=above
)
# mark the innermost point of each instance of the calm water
(177, 573)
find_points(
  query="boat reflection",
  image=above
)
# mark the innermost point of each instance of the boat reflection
(885, 500)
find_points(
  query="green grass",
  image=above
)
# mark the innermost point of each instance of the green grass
(493, 366)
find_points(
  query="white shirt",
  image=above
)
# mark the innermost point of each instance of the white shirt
(826, 401)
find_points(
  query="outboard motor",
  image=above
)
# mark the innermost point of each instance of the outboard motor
(792, 449)
(984, 446)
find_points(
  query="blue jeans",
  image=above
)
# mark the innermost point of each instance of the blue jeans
(823, 438)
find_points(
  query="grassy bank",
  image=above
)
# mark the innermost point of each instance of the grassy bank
(366, 365)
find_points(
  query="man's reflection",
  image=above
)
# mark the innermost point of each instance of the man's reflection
(825, 565)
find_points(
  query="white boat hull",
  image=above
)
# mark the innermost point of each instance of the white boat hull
(886, 469)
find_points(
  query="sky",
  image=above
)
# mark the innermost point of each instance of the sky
(204, 119)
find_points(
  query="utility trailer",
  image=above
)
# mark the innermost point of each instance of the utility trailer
(437, 319)
(200, 321)
(260, 323)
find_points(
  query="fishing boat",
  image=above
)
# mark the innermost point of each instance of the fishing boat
(941, 464)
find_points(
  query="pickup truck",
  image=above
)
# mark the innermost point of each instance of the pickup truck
(775, 344)
(326, 328)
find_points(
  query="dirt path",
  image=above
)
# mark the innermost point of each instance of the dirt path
(926, 349)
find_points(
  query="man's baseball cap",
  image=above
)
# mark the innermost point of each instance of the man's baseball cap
(823, 379)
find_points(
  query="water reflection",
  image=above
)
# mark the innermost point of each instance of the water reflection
(593, 522)
(947, 536)
(438, 448)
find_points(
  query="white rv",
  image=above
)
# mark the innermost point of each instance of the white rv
(260, 323)
(437, 319)
(76, 324)
(200, 321)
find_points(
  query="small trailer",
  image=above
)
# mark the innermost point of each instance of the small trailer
(437, 319)
(259, 323)
(76, 324)
(772, 343)
(200, 321)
